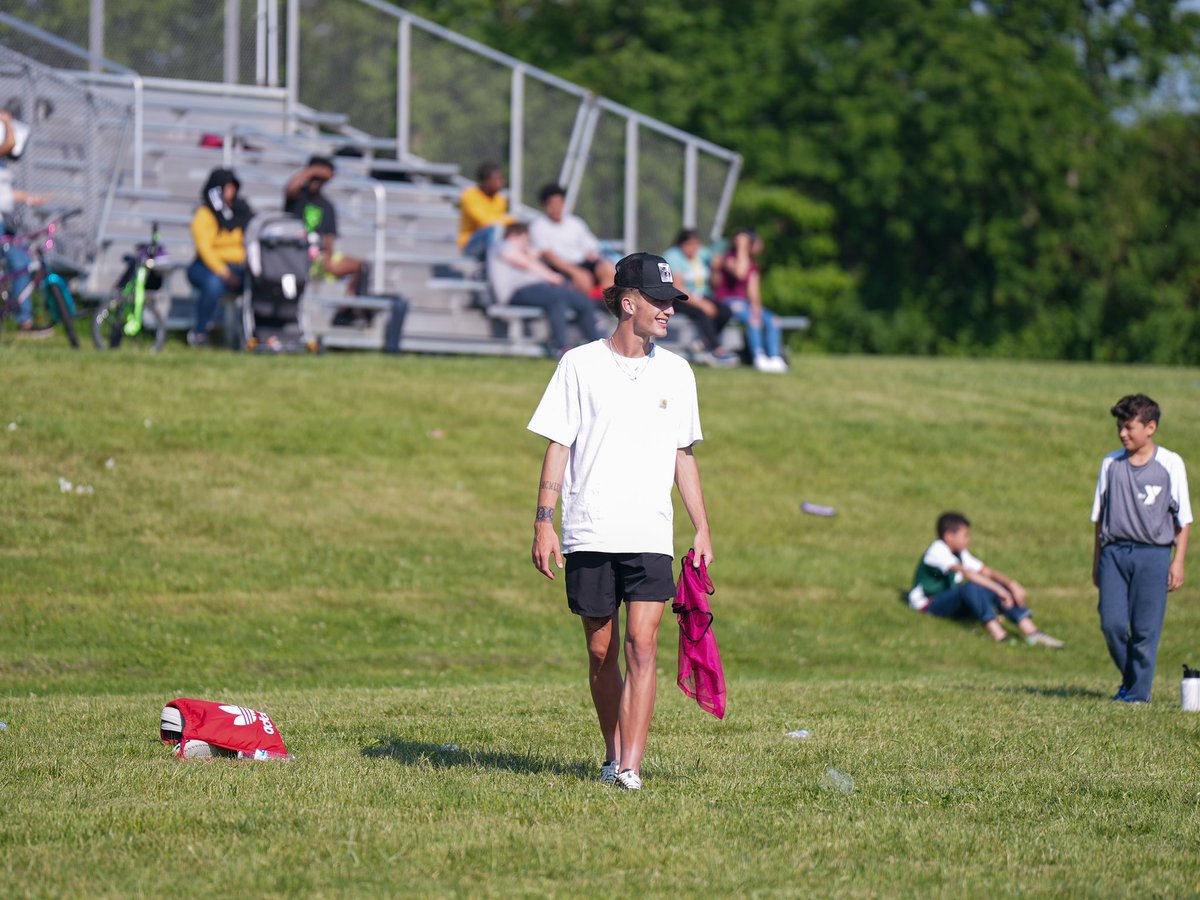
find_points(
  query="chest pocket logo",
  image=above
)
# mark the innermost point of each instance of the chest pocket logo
(662, 404)
(1152, 492)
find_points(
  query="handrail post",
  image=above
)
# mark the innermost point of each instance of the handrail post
(690, 160)
(272, 43)
(260, 43)
(139, 129)
(731, 178)
(583, 151)
(233, 40)
(380, 238)
(568, 164)
(293, 62)
(96, 34)
(516, 140)
(403, 85)
(631, 186)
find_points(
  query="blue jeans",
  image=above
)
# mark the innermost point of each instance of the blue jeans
(482, 240)
(557, 301)
(740, 307)
(1133, 604)
(970, 600)
(16, 258)
(211, 287)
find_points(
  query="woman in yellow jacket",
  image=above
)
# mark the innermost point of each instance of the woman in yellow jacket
(219, 267)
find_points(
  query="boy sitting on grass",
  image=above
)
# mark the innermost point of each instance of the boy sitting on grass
(951, 583)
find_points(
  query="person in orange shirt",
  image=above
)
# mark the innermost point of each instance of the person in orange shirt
(483, 212)
(217, 231)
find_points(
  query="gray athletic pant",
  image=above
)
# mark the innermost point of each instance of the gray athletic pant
(1133, 602)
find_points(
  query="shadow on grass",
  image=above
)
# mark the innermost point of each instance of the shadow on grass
(1066, 692)
(447, 756)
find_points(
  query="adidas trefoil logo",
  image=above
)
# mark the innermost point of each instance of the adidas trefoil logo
(242, 715)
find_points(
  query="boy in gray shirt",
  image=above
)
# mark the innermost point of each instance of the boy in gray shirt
(1141, 509)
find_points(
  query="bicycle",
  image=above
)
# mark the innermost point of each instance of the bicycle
(125, 312)
(56, 296)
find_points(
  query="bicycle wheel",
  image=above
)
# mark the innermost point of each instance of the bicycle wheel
(108, 318)
(64, 313)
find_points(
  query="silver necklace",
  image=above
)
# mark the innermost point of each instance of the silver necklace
(634, 372)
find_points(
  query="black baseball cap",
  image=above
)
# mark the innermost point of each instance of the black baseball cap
(650, 274)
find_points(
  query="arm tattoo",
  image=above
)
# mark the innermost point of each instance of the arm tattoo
(550, 486)
(544, 514)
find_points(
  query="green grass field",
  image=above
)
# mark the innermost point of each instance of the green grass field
(344, 542)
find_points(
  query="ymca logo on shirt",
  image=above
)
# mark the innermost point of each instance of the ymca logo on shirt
(1152, 492)
(664, 272)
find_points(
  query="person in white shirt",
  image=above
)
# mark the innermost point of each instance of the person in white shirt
(621, 418)
(951, 583)
(567, 245)
(518, 278)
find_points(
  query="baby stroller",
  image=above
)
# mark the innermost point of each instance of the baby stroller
(277, 264)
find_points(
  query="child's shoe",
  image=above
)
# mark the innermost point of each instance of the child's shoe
(1045, 640)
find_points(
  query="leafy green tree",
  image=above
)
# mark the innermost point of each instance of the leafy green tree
(931, 176)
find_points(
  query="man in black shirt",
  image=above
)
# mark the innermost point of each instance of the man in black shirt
(303, 198)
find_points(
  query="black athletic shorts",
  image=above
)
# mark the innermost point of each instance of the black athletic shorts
(597, 583)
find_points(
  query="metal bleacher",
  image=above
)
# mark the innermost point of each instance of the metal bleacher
(396, 208)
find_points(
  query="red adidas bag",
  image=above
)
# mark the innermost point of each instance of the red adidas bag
(245, 731)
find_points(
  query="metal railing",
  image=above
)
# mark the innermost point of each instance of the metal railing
(435, 95)
(77, 145)
(456, 100)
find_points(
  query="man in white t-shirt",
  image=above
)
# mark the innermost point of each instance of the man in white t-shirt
(567, 245)
(621, 418)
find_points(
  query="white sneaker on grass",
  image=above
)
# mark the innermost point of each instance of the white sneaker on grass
(608, 772)
(1045, 640)
(629, 780)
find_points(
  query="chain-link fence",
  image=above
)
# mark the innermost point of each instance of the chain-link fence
(446, 98)
(74, 153)
(187, 39)
(439, 96)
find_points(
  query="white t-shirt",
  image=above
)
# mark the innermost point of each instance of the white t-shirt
(624, 435)
(569, 239)
(504, 278)
(939, 558)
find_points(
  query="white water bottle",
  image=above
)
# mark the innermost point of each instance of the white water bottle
(1189, 689)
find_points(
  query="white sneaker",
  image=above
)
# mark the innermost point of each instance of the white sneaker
(629, 780)
(608, 772)
(1045, 640)
(778, 364)
(763, 363)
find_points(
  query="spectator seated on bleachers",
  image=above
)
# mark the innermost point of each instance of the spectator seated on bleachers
(304, 198)
(483, 212)
(567, 245)
(739, 287)
(518, 278)
(690, 265)
(218, 233)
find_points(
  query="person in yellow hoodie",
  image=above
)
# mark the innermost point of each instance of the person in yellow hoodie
(217, 232)
(483, 212)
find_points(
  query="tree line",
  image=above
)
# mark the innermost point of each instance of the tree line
(982, 177)
(931, 176)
